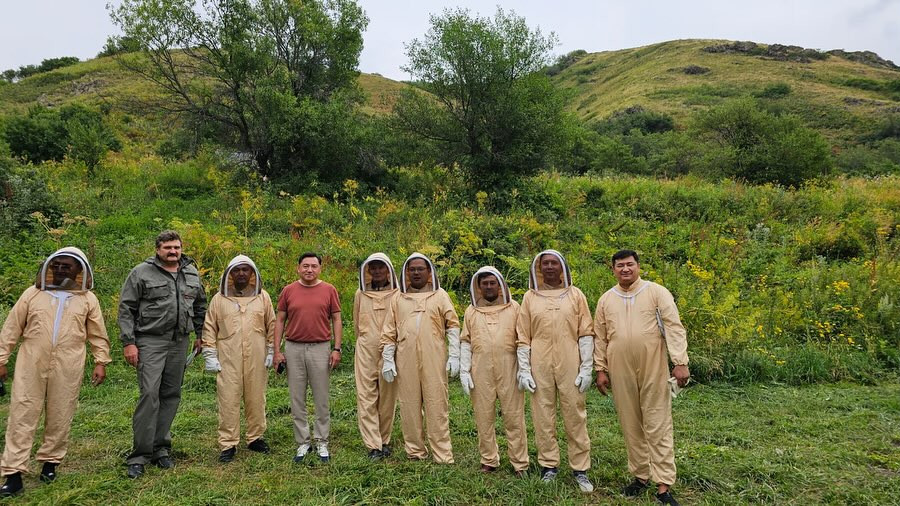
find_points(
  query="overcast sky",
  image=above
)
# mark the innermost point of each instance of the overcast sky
(33, 30)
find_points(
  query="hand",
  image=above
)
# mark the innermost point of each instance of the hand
(3, 372)
(681, 374)
(270, 356)
(583, 380)
(334, 359)
(453, 366)
(465, 378)
(526, 382)
(131, 354)
(99, 374)
(602, 382)
(198, 343)
(278, 358)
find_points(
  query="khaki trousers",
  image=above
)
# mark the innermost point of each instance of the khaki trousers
(307, 365)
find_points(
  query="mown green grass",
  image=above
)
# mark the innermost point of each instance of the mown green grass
(835, 444)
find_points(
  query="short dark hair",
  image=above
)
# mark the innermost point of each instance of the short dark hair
(623, 254)
(484, 275)
(166, 236)
(309, 254)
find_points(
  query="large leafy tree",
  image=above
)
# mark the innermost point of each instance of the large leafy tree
(276, 76)
(488, 107)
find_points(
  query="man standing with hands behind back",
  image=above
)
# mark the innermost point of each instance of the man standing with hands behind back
(635, 323)
(161, 302)
(312, 311)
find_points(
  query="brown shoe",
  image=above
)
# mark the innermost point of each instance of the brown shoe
(487, 469)
(520, 473)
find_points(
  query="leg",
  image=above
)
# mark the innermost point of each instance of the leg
(484, 400)
(25, 406)
(152, 361)
(387, 406)
(229, 387)
(656, 409)
(436, 401)
(295, 354)
(408, 383)
(169, 396)
(255, 377)
(62, 399)
(626, 397)
(319, 375)
(512, 404)
(571, 403)
(543, 414)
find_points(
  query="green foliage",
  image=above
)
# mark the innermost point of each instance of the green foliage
(635, 118)
(49, 134)
(749, 143)
(23, 192)
(276, 76)
(490, 109)
(47, 65)
(564, 61)
(775, 90)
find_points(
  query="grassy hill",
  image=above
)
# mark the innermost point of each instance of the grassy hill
(835, 95)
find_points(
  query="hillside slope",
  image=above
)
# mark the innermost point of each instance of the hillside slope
(835, 95)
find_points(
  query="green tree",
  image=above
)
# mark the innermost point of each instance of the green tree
(745, 141)
(268, 72)
(489, 107)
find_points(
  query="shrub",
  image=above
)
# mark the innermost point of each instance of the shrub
(775, 90)
(49, 134)
(635, 118)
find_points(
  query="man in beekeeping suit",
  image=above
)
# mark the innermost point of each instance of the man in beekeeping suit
(555, 353)
(636, 322)
(488, 369)
(376, 399)
(238, 336)
(415, 352)
(54, 318)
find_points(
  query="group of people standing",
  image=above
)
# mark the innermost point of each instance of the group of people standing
(408, 342)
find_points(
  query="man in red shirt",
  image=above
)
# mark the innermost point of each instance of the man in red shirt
(312, 310)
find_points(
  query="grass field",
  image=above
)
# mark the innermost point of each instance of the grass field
(834, 443)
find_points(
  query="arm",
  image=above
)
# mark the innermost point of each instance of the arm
(199, 315)
(210, 325)
(98, 340)
(675, 335)
(356, 312)
(601, 341)
(12, 330)
(129, 302)
(269, 321)
(279, 330)
(451, 326)
(337, 326)
(389, 328)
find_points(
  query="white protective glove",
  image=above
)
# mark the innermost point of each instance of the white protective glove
(453, 346)
(211, 356)
(526, 380)
(389, 369)
(465, 367)
(270, 355)
(586, 351)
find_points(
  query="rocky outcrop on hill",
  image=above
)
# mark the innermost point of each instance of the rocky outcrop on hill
(799, 54)
(865, 57)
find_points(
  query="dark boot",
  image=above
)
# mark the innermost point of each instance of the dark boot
(227, 455)
(48, 472)
(13, 486)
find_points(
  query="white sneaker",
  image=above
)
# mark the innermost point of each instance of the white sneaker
(322, 450)
(583, 482)
(302, 450)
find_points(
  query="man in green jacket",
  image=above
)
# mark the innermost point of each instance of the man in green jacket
(161, 302)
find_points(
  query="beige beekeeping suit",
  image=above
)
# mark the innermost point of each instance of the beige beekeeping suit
(376, 399)
(550, 321)
(418, 325)
(240, 327)
(634, 328)
(53, 322)
(490, 328)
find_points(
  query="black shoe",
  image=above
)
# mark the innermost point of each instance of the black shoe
(635, 488)
(548, 474)
(258, 446)
(48, 472)
(375, 455)
(13, 486)
(165, 462)
(666, 498)
(135, 470)
(386, 451)
(227, 454)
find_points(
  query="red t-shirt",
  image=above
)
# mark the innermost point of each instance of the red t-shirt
(309, 310)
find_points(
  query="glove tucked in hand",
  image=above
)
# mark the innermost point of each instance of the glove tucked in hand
(270, 355)
(389, 369)
(211, 357)
(586, 351)
(453, 347)
(525, 379)
(465, 367)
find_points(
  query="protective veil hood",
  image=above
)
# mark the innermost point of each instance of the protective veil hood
(475, 290)
(404, 282)
(226, 285)
(365, 278)
(83, 281)
(536, 278)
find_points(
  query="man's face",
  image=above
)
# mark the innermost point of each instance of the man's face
(309, 269)
(240, 275)
(63, 268)
(169, 251)
(626, 270)
(378, 271)
(490, 287)
(551, 268)
(419, 273)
